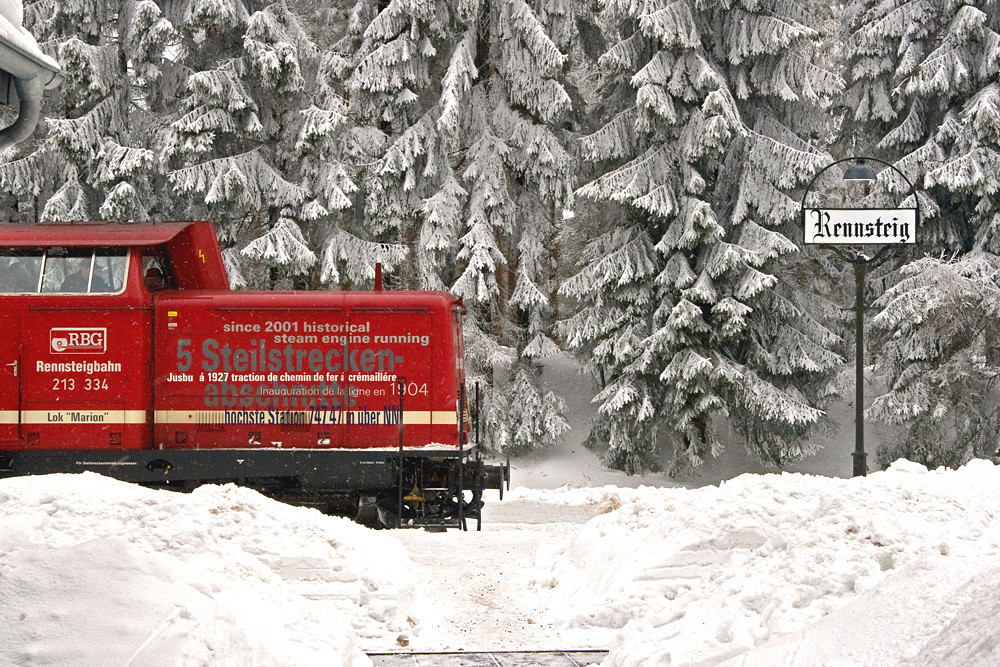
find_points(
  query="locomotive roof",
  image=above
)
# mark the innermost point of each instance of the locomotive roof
(92, 233)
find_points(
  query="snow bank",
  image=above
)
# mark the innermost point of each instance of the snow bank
(99, 572)
(790, 569)
(593, 495)
(899, 568)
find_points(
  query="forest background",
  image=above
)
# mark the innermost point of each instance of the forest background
(619, 179)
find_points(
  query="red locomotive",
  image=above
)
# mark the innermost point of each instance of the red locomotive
(124, 352)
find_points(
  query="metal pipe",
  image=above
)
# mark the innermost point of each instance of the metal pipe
(860, 458)
(29, 93)
(399, 459)
(25, 72)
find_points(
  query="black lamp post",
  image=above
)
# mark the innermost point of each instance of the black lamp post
(845, 232)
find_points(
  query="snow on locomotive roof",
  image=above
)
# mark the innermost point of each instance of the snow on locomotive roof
(92, 234)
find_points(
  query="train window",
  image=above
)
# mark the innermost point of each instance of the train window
(84, 270)
(109, 268)
(20, 269)
(154, 272)
(67, 269)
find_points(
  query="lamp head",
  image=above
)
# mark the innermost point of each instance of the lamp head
(859, 172)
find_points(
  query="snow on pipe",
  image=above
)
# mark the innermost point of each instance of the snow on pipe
(25, 72)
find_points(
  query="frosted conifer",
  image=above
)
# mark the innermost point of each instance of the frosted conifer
(92, 159)
(241, 85)
(922, 89)
(468, 172)
(685, 313)
(224, 109)
(924, 95)
(938, 344)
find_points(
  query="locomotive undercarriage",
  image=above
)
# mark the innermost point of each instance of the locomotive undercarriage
(440, 494)
(427, 489)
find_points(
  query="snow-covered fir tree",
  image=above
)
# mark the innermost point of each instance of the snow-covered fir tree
(245, 74)
(455, 106)
(195, 109)
(520, 179)
(92, 159)
(685, 311)
(938, 339)
(924, 94)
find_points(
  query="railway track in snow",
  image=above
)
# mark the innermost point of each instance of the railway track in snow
(571, 658)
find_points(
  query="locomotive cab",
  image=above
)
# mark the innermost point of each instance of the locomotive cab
(126, 353)
(77, 317)
(63, 382)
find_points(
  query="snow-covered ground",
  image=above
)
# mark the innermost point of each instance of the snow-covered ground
(899, 568)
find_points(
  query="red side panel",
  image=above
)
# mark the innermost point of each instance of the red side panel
(306, 370)
(10, 372)
(196, 258)
(85, 378)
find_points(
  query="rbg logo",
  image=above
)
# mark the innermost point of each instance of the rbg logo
(78, 341)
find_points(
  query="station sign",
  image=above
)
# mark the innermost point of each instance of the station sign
(857, 226)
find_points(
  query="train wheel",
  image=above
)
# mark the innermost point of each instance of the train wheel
(368, 512)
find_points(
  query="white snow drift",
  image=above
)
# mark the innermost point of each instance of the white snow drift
(99, 572)
(896, 567)
(899, 568)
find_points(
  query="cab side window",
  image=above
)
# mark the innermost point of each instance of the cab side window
(109, 267)
(67, 270)
(20, 270)
(84, 270)
(156, 277)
